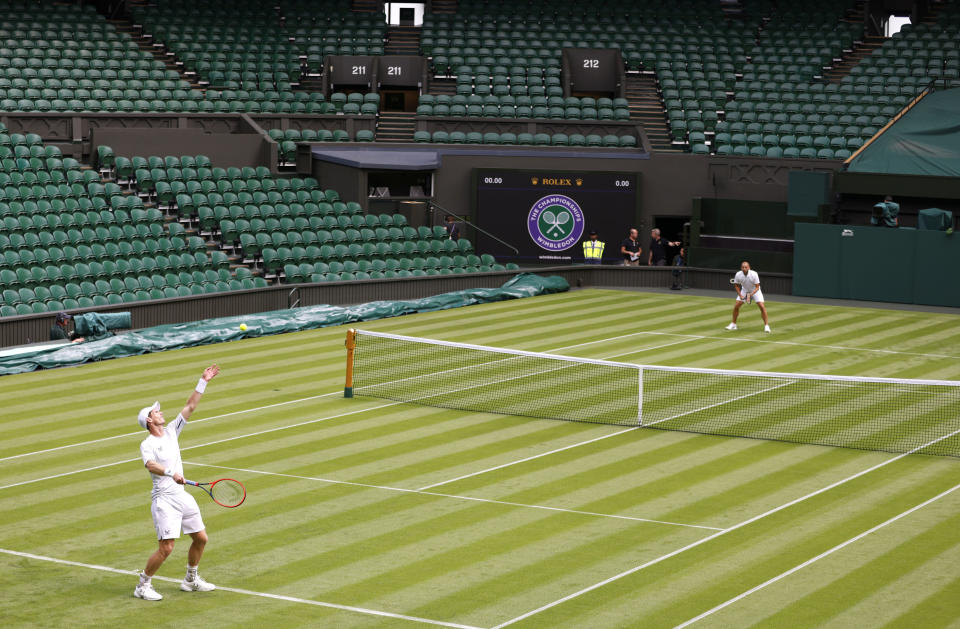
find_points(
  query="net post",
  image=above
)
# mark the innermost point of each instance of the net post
(351, 344)
(640, 396)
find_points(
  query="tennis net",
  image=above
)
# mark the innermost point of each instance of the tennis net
(882, 414)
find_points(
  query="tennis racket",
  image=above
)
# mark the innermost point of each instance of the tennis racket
(741, 294)
(226, 492)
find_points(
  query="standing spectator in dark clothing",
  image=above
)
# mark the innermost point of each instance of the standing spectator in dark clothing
(59, 331)
(630, 249)
(453, 230)
(679, 262)
(658, 248)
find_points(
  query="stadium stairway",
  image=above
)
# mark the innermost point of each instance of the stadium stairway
(158, 51)
(190, 225)
(366, 6)
(647, 108)
(396, 126)
(402, 40)
(861, 50)
(439, 86)
(444, 6)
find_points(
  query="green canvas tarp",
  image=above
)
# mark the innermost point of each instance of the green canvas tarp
(176, 336)
(925, 141)
(94, 325)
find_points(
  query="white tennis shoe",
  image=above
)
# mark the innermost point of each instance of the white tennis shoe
(766, 328)
(197, 585)
(732, 326)
(147, 593)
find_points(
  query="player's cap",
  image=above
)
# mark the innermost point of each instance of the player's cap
(62, 316)
(145, 412)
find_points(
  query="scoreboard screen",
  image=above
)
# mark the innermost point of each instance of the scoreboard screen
(548, 214)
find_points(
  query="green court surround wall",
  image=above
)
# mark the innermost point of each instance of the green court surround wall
(876, 264)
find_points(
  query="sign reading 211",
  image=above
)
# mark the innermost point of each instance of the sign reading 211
(555, 222)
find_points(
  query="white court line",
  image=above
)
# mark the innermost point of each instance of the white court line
(613, 434)
(278, 597)
(456, 496)
(529, 458)
(812, 560)
(706, 539)
(703, 408)
(194, 421)
(303, 399)
(252, 434)
(201, 445)
(743, 340)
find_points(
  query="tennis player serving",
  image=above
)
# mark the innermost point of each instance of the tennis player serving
(172, 507)
(747, 284)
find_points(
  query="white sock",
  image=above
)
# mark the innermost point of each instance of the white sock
(144, 579)
(191, 573)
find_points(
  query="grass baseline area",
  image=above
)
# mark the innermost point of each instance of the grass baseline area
(371, 513)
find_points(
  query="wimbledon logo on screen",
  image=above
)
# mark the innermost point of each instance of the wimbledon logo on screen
(555, 222)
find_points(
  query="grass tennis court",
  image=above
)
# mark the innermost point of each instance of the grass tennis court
(366, 512)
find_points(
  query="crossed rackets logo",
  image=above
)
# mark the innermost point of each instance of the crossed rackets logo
(555, 222)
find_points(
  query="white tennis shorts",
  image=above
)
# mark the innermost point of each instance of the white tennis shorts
(758, 297)
(171, 512)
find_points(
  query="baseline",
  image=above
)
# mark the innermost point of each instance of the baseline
(278, 597)
(793, 343)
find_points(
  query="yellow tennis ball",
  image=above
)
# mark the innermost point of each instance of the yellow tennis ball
(243, 327)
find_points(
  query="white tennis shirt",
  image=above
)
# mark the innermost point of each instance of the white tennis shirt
(165, 450)
(747, 282)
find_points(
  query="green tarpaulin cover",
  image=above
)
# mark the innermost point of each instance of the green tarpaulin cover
(925, 141)
(164, 337)
(94, 325)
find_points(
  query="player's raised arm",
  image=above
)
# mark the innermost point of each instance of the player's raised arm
(208, 374)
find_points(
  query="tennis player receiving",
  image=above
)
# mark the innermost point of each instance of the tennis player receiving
(172, 507)
(747, 284)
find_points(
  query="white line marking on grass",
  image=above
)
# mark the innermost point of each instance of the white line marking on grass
(706, 539)
(812, 560)
(703, 408)
(583, 443)
(268, 406)
(70, 473)
(747, 340)
(195, 421)
(209, 443)
(456, 496)
(278, 597)
(529, 458)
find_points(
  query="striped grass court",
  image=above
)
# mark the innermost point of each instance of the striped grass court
(369, 513)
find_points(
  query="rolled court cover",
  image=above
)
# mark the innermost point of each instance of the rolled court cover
(882, 414)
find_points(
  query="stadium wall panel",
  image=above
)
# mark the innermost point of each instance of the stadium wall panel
(876, 264)
(234, 149)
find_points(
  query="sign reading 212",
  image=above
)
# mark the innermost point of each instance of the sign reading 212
(555, 222)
